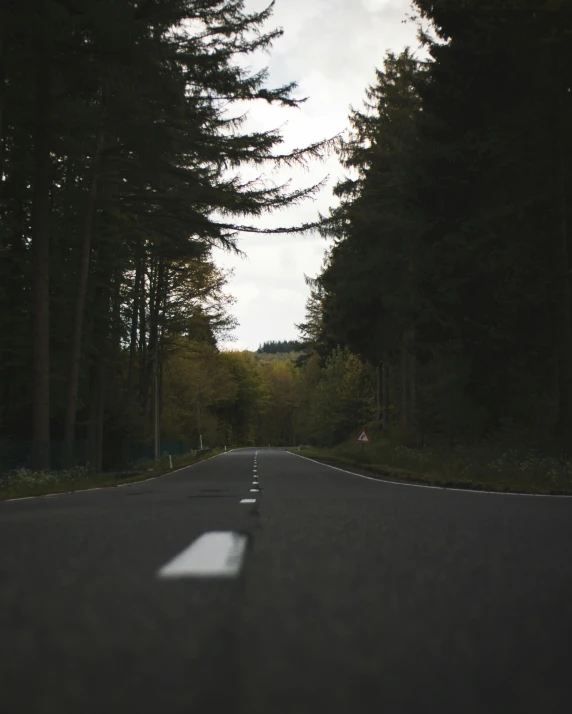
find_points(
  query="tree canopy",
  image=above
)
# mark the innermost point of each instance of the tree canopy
(450, 269)
(135, 113)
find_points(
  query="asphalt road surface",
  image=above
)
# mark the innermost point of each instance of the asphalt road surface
(339, 594)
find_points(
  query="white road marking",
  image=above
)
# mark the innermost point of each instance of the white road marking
(248, 500)
(214, 554)
(254, 490)
(434, 488)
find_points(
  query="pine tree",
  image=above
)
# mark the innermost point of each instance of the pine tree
(136, 175)
(369, 282)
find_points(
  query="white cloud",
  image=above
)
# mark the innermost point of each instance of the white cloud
(330, 48)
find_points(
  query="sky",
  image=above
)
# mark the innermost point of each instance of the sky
(330, 48)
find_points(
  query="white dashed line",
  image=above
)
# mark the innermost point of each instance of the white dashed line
(248, 500)
(214, 554)
(254, 490)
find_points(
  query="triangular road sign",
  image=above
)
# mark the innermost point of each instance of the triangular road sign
(363, 438)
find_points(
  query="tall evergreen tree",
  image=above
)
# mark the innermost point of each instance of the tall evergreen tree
(136, 174)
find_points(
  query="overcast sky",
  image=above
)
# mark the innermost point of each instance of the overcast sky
(330, 48)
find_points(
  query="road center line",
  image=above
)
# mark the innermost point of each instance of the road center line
(248, 500)
(214, 554)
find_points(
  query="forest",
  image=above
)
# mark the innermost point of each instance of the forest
(442, 314)
(451, 266)
(122, 149)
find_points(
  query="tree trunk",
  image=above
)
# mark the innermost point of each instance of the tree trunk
(565, 346)
(150, 354)
(41, 268)
(385, 395)
(143, 338)
(134, 329)
(96, 415)
(404, 387)
(156, 304)
(75, 360)
(156, 405)
(131, 396)
(412, 383)
(2, 104)
(100, 360)
(378, 394)
(564, 427)
(116, 328)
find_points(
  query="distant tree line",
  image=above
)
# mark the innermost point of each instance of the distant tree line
(278, 347)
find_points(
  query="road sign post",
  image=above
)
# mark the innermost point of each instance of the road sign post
(362, 439)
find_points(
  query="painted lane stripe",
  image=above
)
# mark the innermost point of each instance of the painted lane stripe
(433, 488)
(254, 490)
(215, 554)
(248, 500)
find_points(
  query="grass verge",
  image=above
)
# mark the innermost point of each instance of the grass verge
(487, 468)
(21, 483)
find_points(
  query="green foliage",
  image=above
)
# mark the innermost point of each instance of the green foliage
(20, 483)
(340, 401)
(122, 153)
(451, 259)
(486, 467)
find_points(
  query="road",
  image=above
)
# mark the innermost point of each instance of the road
(353, 595)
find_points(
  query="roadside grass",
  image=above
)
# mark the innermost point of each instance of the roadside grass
(488, 467)
(20, 483)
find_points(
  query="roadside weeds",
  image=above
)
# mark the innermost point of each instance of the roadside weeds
(23, 483)
(508, 472)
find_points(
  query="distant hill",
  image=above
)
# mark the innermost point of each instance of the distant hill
(273, 348)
